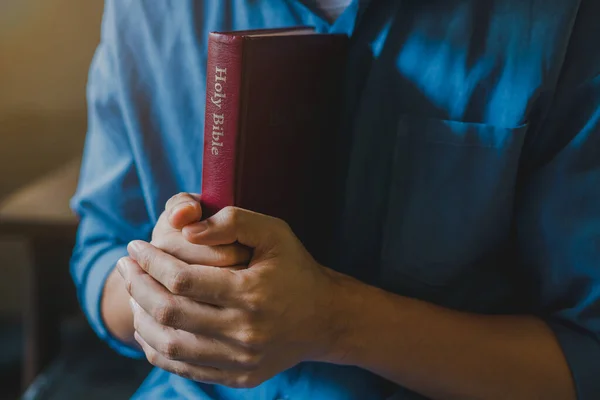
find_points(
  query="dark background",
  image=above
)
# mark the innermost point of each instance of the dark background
(46, 47)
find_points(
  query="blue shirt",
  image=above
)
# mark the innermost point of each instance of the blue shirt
(473, 179)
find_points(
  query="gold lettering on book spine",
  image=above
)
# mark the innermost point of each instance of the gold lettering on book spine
(218, 119)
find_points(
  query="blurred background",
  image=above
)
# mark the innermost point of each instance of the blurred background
(45, 50)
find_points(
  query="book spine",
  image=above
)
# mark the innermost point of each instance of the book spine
(221, 125)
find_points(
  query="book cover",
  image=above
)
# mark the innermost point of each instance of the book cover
(273, 103)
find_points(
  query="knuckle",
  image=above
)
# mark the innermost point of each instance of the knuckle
(252, 339)
(166, 314)
(246, 381)
(253, 301)
(241, 283)
(245, 284)
(182, 371)
(231, 214)
(171, 349)
(249, 361)
(180, 283)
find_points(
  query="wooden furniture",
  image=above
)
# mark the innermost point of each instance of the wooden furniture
(39, 213)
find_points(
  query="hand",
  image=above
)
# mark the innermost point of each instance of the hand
(232, 327)
(181, 210)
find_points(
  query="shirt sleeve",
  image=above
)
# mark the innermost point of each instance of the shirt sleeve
(109, 200)
(559, 209)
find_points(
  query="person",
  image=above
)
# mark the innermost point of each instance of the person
(467, 264)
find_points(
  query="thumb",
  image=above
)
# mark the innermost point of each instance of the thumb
(232, 224)
(183, 209)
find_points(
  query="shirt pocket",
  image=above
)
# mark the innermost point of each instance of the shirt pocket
(451, 198)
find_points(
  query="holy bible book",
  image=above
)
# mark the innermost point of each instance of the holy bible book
(273, 99)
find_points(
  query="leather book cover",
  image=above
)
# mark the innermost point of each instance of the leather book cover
(273, 102)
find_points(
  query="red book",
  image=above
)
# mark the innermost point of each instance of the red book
(272, 119)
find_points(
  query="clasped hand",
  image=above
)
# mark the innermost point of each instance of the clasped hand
(231, 300)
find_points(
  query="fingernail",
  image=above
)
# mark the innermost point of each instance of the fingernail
(134, 247)
(182, 207)
(197, 228)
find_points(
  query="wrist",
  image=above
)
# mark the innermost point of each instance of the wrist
(115, 311)
(346, 314)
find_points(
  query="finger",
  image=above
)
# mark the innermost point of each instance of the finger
(217, 286)
(180, 345)
(180, 218)
(181, 197)
(160, 265)
(174, 311)
(152, 296)
(193, 372)
(217, 256)
(233, 224)
(183, 209)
